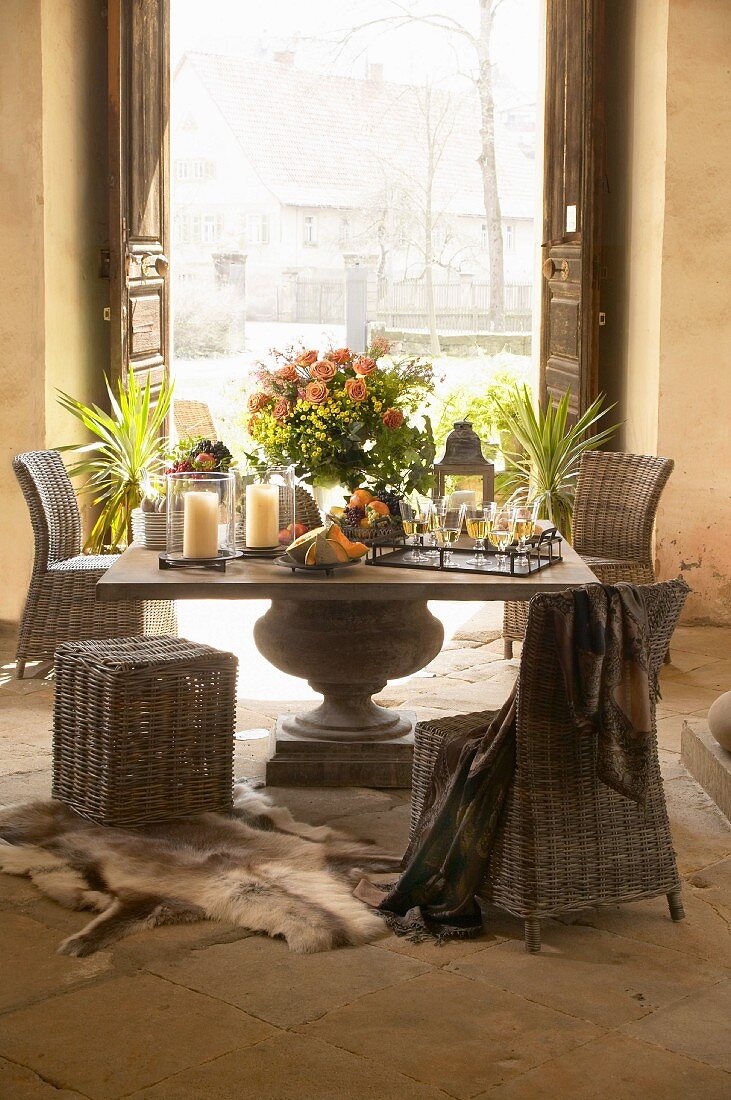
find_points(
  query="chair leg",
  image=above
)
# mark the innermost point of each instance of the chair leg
(675, 904)
(507, 648)
(532, 936)
(19, 668)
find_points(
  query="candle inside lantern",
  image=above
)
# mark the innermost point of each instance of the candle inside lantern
(262, 515)
(463, 496)
(200, 525)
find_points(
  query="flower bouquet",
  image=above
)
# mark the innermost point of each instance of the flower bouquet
(343, 418)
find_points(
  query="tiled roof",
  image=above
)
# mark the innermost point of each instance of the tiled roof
(328, 140)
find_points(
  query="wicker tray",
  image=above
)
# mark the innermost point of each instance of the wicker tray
(543, 552)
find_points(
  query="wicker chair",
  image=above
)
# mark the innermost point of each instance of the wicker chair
(617, 495)
(193, 420)
(61, 604)
(567, 841)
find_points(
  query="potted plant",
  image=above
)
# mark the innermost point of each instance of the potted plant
(546, 466)
(126, 454)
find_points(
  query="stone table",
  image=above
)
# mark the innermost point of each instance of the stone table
(347, 635)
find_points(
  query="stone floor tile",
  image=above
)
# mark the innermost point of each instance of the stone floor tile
(678, 697)
(388, 829)
(29, 966)
(714, 886)
(444, 1030)
(290, 1067)
(715, 641)
(122, 1035)
(263, 977)
(619, 1067)
(668, 731)
(671, 766)
(19, 1083)
(591, 974)
(701, 834)
(684, 660)
(715, 676)
(25, 786)
(705, 932)
(698, 1026)
(438, 954)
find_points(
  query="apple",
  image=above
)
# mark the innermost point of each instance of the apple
(292, 532)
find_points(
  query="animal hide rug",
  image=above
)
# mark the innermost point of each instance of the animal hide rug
(257, 868)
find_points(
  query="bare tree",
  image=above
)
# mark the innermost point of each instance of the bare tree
(480, 45)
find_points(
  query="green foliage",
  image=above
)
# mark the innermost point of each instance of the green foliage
(127, 451)
(546, 465)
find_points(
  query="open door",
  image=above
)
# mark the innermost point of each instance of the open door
(573, 177)
(139, 182)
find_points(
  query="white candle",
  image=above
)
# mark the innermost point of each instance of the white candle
(463, 496)
(200, 524)
(262, 515)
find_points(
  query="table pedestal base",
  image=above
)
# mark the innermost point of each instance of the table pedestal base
(304, 762)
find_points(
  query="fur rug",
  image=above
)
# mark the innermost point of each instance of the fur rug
(257, 868)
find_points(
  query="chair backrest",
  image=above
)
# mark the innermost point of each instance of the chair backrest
(617, 495)
(193, 420)
(51, 501)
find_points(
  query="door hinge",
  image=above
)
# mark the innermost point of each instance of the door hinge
(107, 313)
(602, 318)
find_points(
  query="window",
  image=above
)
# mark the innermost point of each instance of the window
(198, 169)
(257, 228)
(182, 169)
(346, 233)
(211, 228)
(310, 235)
(509, 237)
(483, 237)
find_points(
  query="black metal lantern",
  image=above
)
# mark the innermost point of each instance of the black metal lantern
(464, 461)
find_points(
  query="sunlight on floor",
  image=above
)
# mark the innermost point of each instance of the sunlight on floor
(229, 625)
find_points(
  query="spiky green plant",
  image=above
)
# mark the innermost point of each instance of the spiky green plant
(126, 452)
(547, 464)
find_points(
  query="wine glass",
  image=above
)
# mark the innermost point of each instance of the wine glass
(448, 527)
(416, 518)
(478, 519)
(439, 506)
(501, 533)
(525, 517)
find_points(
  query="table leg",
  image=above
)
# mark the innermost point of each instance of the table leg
(347, 650)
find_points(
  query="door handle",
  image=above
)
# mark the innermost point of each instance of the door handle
(155, 263)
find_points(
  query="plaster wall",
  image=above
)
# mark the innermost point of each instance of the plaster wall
(52, 225)
(694, 521)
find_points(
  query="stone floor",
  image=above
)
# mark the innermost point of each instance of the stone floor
(620, 1003)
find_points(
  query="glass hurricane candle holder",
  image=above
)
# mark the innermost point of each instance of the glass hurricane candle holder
(201, 517)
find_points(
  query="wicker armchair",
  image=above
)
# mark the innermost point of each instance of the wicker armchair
(193, 420)
(567, 841)
(61, 604)
(617, 495)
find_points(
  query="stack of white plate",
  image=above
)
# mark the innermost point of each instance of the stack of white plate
(149, 529)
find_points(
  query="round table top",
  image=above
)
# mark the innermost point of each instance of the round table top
(136, 575)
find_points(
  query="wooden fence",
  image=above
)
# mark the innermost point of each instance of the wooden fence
(459, 307)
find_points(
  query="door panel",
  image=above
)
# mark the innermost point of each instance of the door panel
(139, 101)
(570, 209)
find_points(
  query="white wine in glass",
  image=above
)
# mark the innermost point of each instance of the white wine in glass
(448, 528)
(501, 534)
(478, 520)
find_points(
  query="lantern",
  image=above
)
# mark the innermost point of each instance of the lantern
(472, 477)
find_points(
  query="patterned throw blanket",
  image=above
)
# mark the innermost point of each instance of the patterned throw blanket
(603, 649)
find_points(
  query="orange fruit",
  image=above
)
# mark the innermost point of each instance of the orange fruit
(360, 498)
(379, 508)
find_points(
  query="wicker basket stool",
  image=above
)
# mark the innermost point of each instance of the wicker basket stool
(566, 841)
(617, 495)
(143, 729)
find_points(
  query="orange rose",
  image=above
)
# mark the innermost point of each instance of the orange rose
(356, 389)
(306, 358)
(393, 418)
(340, 355)
(251, 426)
(317, 393)
(288, 373)
(364, 365)
(323, 370)
(282, 409)
(257, 401)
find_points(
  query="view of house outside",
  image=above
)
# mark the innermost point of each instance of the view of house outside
(334, 163)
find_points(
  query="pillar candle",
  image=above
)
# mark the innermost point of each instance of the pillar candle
(200, 524)
(262, 515)
(463, 496)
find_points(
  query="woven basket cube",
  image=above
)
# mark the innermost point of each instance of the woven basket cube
(143, 729)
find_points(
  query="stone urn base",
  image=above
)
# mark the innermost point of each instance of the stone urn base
(347, 650)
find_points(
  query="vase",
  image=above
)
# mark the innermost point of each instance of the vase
(330, 496)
